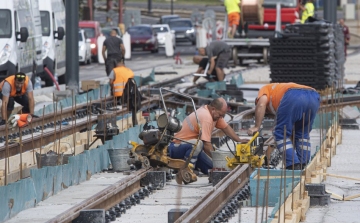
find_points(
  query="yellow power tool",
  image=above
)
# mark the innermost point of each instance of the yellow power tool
(248, 153)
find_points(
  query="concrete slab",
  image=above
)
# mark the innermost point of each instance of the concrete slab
(66, 199)
(156, 207)
(344, 163)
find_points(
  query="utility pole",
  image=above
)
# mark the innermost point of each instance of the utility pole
(172, 7)
(149, 6)
(330, 11)
(72, 42)
(120, 11)
(91, 9)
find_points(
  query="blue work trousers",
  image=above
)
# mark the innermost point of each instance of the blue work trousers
(182, 151)
(293, 106)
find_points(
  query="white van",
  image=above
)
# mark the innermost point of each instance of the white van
(16, 46)
(52, 14)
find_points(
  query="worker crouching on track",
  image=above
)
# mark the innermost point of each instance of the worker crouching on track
(17, 88)
(221, 52)
(289, 102)
(202, 62)
(210, 116)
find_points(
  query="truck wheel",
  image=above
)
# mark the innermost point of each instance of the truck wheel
(235, 56)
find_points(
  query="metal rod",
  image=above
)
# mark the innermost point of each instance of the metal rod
(74, 127)
(55, 114)
(263, 204)
(281, 176)
(87, 115)
(285, 135)
(257, 194)
(90, 129)
(41, 138)
(302, 147)
(20, 146)
(128, 107)
(7, 147)
(293, 175)
(60, 129)
(73, 117)
(32, 141)
(104, 119)
(307, 149)
(267, 188)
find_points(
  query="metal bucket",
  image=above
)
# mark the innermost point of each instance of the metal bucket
(49, 159)
(218, 158)
(118, 158)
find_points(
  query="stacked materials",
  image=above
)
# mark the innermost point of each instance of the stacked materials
(311, 54)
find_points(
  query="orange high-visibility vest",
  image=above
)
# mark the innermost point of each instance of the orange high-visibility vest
(275, 93)
(11, 81)
(121, 77)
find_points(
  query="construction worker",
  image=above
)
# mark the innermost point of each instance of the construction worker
(289, 102)
(115, 50)
(233, 12)
(17, 88)
(308, 10)
(119, 76)
(220, 51)
(346, 32)
(203, 62)
(210, 116)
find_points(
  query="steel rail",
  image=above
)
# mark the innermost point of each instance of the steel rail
(50, 136)
(214, 201)
(106, 198)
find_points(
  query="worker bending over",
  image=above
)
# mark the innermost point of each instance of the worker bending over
(289, 102)
(220, 51)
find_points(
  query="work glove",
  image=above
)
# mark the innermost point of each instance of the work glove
(3, 122)
(13, 121)
(19, 120)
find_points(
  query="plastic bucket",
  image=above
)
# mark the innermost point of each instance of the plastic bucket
(218, 158)
(118, 158)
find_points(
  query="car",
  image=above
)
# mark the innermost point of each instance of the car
(161, 30)
(84, 48)
(106, 31)
(184, 30)
(143, 37)
(165, 19)
(93, 31)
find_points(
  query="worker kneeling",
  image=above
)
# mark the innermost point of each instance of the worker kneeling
(209, 116)
(295, 106)
(17, 88)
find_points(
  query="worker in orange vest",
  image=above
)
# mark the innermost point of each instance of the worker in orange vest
(119, 76)
(289, 102)
(17, 88)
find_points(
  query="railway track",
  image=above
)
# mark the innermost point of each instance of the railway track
(111, 197)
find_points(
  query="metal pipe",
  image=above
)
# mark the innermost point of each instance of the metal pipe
(72, 120)
(20, 147)
(42, 134)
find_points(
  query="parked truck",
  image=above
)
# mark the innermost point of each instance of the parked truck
(252, 41)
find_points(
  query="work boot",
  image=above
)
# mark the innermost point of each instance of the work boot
(296, 167)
